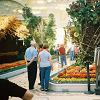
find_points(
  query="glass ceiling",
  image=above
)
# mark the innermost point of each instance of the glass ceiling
(39, 7)
(8, 7)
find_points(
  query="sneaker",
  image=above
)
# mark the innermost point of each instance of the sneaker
(42, 89)
(46, 89)
(39, 83)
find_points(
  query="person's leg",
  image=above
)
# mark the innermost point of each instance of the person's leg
(64, 58)
(32, 73)
(61, 58)
(39, 77)
(73, 55)
(58, 55)
(42, 77)
(47, 77)
(70, 55)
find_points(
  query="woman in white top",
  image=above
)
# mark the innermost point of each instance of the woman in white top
(45, 67)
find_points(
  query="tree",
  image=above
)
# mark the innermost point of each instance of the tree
(49, 31)
(32, 22)
(9, 29)
(86, 18)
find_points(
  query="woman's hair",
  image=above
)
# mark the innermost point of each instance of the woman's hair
(45, 46)
(40, 45)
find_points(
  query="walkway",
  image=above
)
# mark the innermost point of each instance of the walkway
(21, 80)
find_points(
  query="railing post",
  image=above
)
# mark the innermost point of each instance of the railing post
(88, 79)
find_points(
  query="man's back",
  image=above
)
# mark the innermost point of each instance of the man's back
(62, 50)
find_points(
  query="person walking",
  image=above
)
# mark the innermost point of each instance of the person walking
(45, 64)
(72, 52)
(31, 63)
(8, 88)
(76, 51)
(62, 53)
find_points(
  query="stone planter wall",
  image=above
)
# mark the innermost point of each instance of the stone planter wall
(71, 87)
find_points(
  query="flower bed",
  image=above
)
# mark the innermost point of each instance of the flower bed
(73, 79)
(8, 67)
(11, 65)
(75, 74)
(8, 70)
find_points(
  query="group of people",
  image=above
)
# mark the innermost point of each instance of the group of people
(61, 52)
(43, 57)
(32, 56)
(74, 51)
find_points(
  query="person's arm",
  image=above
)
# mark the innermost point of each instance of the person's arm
(25, 60)
(27, 96)
(15, 90)
(35, 53)
(39, 59)
(28, 63)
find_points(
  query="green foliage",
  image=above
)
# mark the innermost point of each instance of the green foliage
(27, 12)
(32, 22)
(49, 30)
(84, 12)
(52, 51)
(86, 18)
(27, 41)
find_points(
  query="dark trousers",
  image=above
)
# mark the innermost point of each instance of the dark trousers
(32, 73)
(63, 60)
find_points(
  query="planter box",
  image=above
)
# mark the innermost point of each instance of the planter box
(13, 71)
(70, 87)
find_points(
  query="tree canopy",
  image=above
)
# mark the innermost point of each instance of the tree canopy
(86, 19)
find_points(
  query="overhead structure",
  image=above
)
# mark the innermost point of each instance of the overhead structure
(39, 7)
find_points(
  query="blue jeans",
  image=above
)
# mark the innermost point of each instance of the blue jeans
(63, 59)
(72, 55)
(45, 76)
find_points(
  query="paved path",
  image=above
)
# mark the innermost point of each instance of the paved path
(41, 95)
(21, 80)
